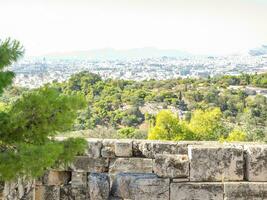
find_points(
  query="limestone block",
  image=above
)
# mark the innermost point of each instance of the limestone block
(77, 193)
(245, 190)
(108, 149)
(198, 191)
(216, 163)
(168, 147)
(56, 177)
(99, 186)
(140, 186)
(51, 192)
(142, 148)
(148, 148)
(94, 148)
(78, 179)
(124, 148)
(171, 166)
(86, 164)
(133, 165)
(256, 162)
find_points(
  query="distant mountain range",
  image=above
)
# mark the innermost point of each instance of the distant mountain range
(113, 54)
(259, 51)
(138, 53)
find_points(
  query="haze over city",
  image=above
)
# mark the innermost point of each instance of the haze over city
(213, 27)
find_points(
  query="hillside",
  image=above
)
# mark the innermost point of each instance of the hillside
(131, 105)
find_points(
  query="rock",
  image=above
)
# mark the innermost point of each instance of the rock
(70, 193)
(216, 163)
(142, 148)
(198, 191)
(39, 191)
(124, 148)
(171, 166)
(148, 148)
(86, 164)
(133, 165)
(19, 189)
(51, 192)
(168, 147)
(140, 186)
(256, 162)
(78, 179)
(56, 177)
(99, 186)
(108, 149)
(114, 198)
(94, 148)
(245, 191)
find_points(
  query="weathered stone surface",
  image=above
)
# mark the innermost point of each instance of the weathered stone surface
(51, 192)
(2, 185)
(168, 147)
(70, 193)
(94, 148)
(108, 149)
(142, 148)
(216, 163)
(56, 177)
(148, 148)
(114, 198)
(20, 189)
(124, 148)
(39, 190)
(99, 186)
(256, 162)
(171, 166)
(245, 191)
(140, 186)
(78, 179)
(86, 164)
(179, 180)
(198, 191)
(133, 165)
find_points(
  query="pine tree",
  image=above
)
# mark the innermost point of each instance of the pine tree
(28, 125)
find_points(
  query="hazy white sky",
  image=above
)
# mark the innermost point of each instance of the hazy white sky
(197, 26)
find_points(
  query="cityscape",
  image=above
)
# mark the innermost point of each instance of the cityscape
(37, 71)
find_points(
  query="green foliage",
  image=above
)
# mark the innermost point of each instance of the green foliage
(32, 160)
(235, 135)
(121, 103)
(27, 160)
(207, 125)
(10, 51)
(71, 148)
(204, 125)
(29, 123)
(168, 127)
(258, 80)
(39, 114)
(130, 132)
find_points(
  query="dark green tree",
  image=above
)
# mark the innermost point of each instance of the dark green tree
(29, 125)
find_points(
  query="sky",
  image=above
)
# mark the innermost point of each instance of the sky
(195, 26)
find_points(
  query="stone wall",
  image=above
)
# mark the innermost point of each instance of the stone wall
(143, 169)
